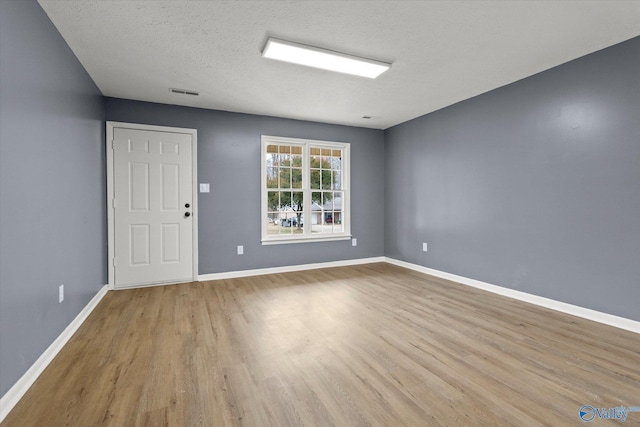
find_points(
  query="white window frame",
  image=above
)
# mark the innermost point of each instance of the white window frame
(307, 235)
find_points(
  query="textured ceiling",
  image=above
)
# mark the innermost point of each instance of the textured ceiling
(442, 51)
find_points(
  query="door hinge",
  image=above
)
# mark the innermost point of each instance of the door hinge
(113, 203)
(113, 144)
(115, 261)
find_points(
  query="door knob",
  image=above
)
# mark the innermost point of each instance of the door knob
(187, 214)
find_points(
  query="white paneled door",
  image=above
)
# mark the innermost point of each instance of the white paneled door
(152, 207)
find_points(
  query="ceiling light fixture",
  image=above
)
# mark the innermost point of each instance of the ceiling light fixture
(312, 56)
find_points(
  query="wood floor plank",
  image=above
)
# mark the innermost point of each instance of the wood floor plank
(368, 345)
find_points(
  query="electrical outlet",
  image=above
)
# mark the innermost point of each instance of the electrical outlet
(60, 293)
(354, 242)
(240, 249)
(424, 247)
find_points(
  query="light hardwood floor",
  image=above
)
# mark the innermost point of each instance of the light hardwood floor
(373, 345)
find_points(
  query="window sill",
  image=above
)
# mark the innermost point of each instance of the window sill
(286, 241)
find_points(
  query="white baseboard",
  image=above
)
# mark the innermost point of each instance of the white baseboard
(288, 268)
(15, 393)
(585, 313)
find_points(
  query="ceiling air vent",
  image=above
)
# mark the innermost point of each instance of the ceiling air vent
(184, 91)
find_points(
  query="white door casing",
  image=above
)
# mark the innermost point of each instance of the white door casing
(153, 216)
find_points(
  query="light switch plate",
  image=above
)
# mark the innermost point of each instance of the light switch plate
(204, 188)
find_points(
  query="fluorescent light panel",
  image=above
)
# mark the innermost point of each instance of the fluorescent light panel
(322, 58)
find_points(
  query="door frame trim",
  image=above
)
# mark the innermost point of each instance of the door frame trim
(110, 128)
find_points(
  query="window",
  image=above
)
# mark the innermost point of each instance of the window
(305, 190)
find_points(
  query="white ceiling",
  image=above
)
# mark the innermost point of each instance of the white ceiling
(442, 51)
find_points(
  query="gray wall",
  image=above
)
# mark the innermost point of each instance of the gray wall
(52, 209)
(534, 186)
(229, 159)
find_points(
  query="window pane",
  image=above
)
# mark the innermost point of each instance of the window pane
(316, 197)
(327, 201)
(297, 220)
(285, 157)
(296, 178)
(297, 200)
(296, 161)
(337, 222)
(315, 179)
(285, 225)
(336, 163)
(285, 178)
(273, 200)
(317, 213)
(285, 201)
(272, 177)
(272, 149)
(337, 201)
(314, 161)
(336, 177)
(326, 179)
(272, 223)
